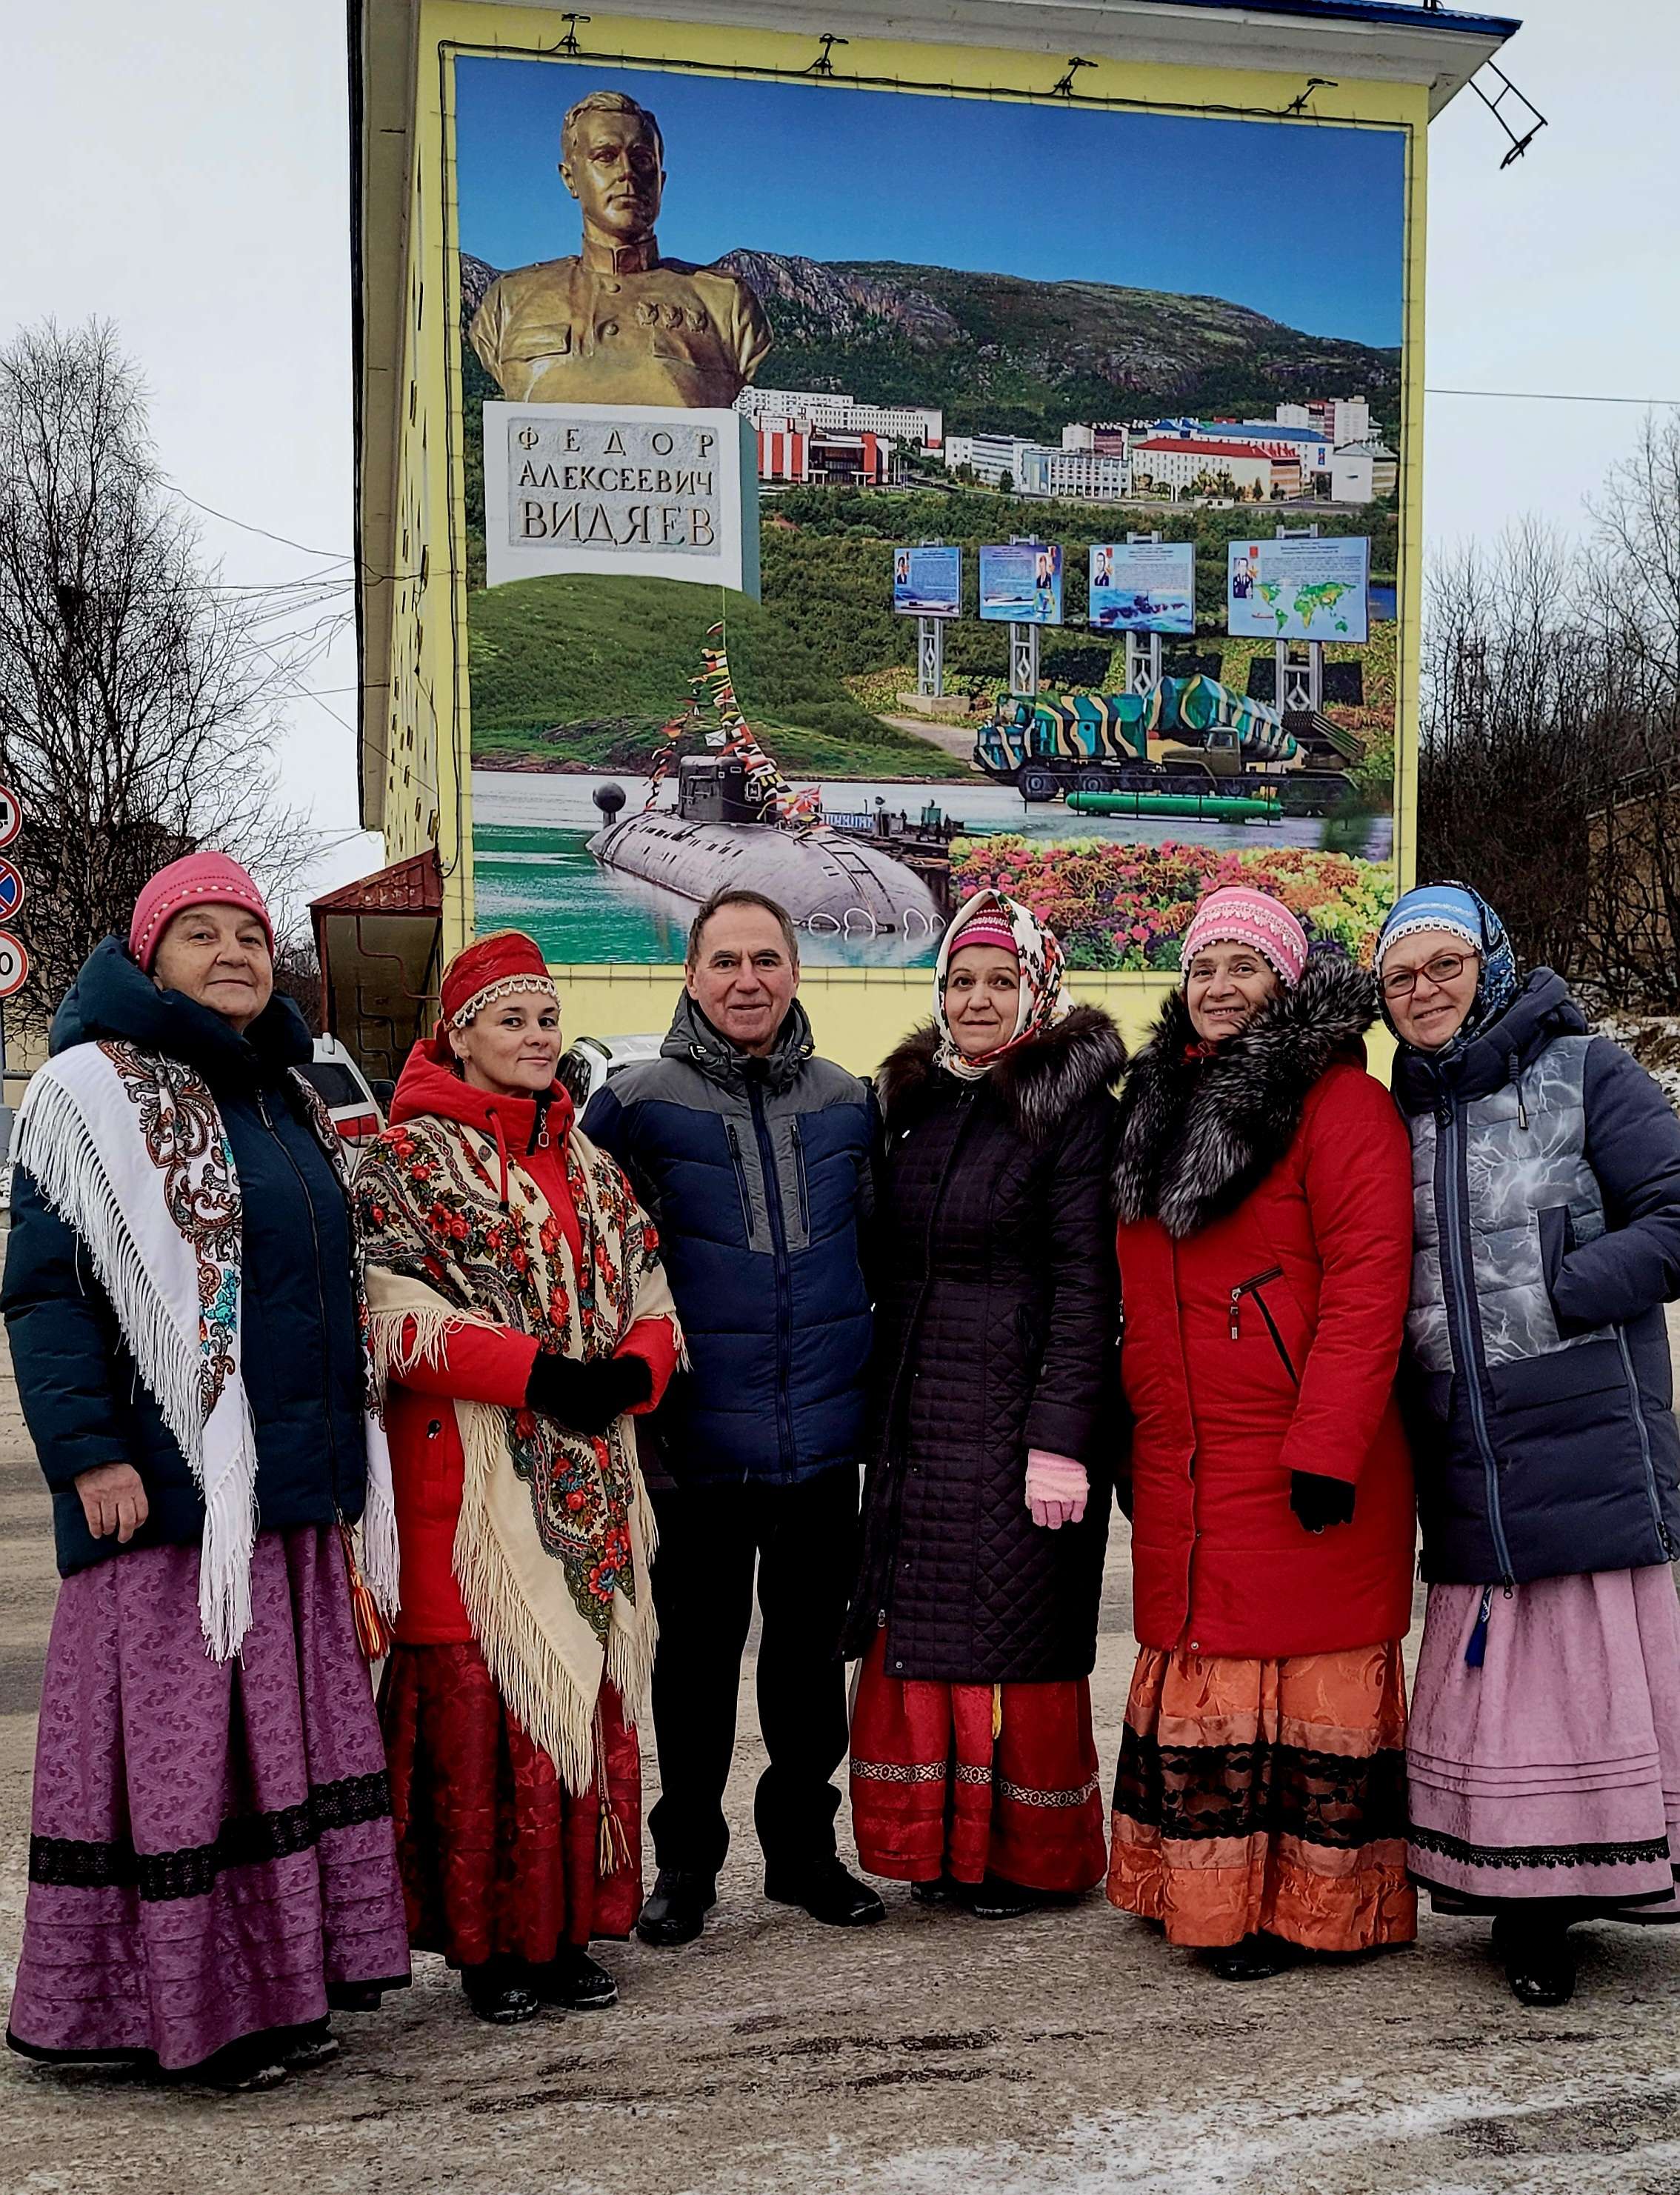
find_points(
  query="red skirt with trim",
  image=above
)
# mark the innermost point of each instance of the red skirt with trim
(498, 1860)
(934, 1793)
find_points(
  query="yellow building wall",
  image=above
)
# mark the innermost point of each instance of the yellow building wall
(858, 1013)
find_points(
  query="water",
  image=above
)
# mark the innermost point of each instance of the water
(530, 832)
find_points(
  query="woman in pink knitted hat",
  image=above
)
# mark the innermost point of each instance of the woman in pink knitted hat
(985, 1507)
(1263, 1189)
(212, 1865)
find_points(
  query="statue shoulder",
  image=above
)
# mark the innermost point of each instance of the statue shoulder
(521, 286)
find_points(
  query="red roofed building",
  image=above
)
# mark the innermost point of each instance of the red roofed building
(1175, 462)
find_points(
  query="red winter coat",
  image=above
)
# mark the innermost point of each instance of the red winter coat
(1265, 1249)
(476, 1364)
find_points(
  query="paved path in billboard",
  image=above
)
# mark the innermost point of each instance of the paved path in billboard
(1072, 2055)
(956, 740)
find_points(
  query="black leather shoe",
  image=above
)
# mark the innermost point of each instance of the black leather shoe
(999, 1899)
(496, 1992)
(575, 1981)
(676, 1908)
(1540, 1964)
(1255, 1959)
(944, 1890)
(829, 1894)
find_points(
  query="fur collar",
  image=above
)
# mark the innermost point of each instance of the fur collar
(1198, 1135)
(1041, 1083)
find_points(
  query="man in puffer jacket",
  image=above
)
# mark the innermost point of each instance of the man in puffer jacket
(755, 1159)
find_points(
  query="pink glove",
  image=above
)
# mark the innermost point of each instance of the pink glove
(1057, 1488)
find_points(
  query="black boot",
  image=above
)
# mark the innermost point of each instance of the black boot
(1538, 1957)
(1255, 1959)
(829, 1894)
(498, 1992)
(677, 1909)
(575, 1981)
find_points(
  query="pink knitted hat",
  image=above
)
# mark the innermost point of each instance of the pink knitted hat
(1235, 915)
(988, 927)
(204, 879)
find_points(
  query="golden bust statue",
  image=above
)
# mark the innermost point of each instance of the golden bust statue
(615, 324)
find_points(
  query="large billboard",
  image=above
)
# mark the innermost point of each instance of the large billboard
(720, 379)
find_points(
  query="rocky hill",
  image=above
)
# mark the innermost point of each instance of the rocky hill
(998, 352)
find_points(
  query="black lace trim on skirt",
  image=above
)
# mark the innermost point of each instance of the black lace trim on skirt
(1191, 1792)
(1641, 1852)
(245, 1840)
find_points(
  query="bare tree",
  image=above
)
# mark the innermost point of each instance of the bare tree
(1550, 763)
(137, 704)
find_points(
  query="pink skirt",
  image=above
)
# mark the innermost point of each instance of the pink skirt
(1552, 1770)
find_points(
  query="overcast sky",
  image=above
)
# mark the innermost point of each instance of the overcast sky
(182, 168)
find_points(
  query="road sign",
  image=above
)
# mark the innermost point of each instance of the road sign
(11, 815)
(14, 966)
(11, 890)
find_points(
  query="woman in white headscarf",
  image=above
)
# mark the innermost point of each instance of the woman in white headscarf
(974, 1773)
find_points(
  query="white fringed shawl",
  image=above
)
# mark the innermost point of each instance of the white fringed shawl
(129, 1150)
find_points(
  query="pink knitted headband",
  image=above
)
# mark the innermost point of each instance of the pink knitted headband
(989, 927)
(1236, 915)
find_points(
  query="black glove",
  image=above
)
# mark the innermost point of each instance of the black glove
(587, 1397)
(1320, 1501)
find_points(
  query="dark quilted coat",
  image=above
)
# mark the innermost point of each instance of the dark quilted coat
(996, 1317)
(299, 1352)
(758, 1175)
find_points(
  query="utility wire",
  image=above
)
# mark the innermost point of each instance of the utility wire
(1556, 396)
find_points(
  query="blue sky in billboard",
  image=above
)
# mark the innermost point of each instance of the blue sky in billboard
(1303, 224)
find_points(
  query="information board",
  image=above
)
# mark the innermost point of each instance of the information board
(1299, 589)
(927, 582)
(1020, 583)
(1143, 586)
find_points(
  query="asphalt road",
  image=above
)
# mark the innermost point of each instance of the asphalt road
(1071, 2052)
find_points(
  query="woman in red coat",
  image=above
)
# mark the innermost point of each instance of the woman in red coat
(1263, 1187)
(519, 1304)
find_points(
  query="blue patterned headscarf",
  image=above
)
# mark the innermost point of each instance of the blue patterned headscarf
(1456, 907)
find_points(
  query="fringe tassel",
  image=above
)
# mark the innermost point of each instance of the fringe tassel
(533, 1680)
(997, 1713)
(432, 1329)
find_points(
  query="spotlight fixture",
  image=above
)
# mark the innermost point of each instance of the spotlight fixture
(568, 44)
(822, 66)
(1298, 104)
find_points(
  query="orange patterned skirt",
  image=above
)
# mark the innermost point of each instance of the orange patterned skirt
(1265, 1797)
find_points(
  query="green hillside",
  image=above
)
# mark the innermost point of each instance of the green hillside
(584, 672)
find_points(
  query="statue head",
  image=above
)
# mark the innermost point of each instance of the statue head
(612, 159)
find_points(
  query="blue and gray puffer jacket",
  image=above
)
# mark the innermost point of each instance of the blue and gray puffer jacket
(759, 1176)
(1545, 1167)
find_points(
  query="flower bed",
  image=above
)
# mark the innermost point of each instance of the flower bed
(1125, 907)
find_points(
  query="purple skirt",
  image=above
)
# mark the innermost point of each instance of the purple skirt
(1553, 1770)
(211, 1845)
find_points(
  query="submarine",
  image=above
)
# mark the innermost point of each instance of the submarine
(829, 880)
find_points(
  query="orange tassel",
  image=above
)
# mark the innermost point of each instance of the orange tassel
(373, 1634)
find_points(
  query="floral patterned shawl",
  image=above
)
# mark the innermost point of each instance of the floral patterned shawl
(1043, 998)
(555, 1531)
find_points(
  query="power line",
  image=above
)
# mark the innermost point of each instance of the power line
(338, 555)
(1557, 396)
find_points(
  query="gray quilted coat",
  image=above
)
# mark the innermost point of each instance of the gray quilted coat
(1547, 1192)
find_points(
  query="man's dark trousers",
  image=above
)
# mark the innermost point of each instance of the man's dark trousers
(804, 1537)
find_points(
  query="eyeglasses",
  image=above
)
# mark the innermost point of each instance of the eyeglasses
(1445, 968)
